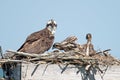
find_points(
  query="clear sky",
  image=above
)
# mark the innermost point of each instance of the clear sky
(101, 18)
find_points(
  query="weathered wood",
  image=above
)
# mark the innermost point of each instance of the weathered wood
(23, 54)
(1, 52)
(104, 51)
(2, 79)
(70, 64)
(13, 73)
(9, 60)
(61, 72)
(69, 56)
(31, 71)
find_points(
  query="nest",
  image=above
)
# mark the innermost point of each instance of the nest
(67, 52)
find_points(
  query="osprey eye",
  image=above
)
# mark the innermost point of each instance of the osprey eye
(48, 24)
(56, 25)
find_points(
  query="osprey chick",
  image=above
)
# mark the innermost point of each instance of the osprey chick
(88, 48)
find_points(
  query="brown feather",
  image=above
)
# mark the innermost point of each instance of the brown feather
(38, 42)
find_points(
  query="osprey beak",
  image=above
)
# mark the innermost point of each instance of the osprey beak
(53, 30)
(53, 47)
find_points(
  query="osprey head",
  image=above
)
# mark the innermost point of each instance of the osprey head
(51, 26)
(88, 36)
(56, 45)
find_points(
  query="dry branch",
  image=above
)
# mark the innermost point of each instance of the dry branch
(9, 60)
(22, 53)
(70, 57)
(104, 51)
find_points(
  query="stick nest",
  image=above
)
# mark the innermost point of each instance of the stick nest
(68, 52)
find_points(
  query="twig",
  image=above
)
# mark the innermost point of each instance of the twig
(105, 70)
(103, 51)
(26, 72)
(35, 69)
(23, 54)
(45, 69)
(64, 68)
(9, 60)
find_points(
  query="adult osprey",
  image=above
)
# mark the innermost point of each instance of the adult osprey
(40, 41)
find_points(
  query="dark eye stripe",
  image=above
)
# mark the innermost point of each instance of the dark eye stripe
(51, 25)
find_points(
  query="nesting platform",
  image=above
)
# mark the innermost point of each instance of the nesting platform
(68, 62)
(31, 71)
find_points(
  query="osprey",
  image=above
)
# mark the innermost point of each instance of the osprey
(88, 48)
(40, 41)
(66, 45)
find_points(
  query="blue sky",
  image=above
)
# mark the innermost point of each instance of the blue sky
(101, 18)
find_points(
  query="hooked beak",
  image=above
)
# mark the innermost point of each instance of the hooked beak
(54, 30)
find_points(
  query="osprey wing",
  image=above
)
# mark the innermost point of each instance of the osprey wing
(31, 38)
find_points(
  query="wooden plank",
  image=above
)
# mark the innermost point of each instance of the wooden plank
(12, 72)
(54, 72)
(17, 72)
(1, 52)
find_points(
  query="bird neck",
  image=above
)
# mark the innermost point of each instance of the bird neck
(88, 47)
(88, 42)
